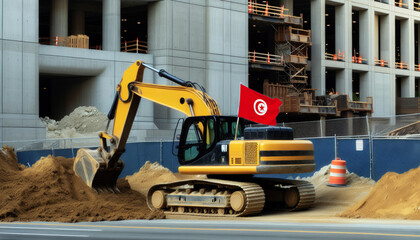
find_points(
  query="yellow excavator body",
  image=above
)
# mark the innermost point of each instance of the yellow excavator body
(208, 145)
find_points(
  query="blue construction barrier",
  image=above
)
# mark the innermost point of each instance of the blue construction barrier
(388, 155)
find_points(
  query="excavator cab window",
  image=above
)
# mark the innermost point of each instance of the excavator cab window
(197, 138)
(193, 142)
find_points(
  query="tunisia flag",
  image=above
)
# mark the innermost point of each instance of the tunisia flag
(257, 107)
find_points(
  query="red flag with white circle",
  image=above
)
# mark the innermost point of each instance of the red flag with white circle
(257, 107)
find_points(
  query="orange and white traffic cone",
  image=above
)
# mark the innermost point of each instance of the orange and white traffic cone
(250, 6)
(268, 58)
(253, 59)
(337, 173)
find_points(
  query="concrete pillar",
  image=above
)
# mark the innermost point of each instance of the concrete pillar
(365, 89)
(78, 22)
(318, 45)
(288, 4)
(405, 40)
(343, 29)
(59, 18)
(343, 81)
(387, 38)
(407, 86)
(364, 35)
(111, 25)
(376, 37)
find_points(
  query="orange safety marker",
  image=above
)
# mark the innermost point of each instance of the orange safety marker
(253, 59)
(282, 59)
(337, 173)
(268, 58)
(401, 65)
(360, 59)
(400, 3)
(266, 9)
(335, 57)
(382, 63)
(281, 11)
(352, 59)
(250, 6)
(56, 40)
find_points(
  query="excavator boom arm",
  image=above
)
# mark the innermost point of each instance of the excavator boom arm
(187, 100)
(100, 168)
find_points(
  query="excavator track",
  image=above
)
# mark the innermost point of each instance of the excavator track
(208, 197)
(214, 197)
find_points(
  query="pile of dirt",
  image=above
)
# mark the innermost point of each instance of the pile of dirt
(410, 129)
(153, 173)
(394, 196)
(82, 122)
(50, 191)
(336, 199)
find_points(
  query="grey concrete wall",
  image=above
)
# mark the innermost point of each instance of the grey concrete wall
(201, 41)
(19, 70)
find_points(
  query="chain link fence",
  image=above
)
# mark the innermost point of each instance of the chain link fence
(401, 126)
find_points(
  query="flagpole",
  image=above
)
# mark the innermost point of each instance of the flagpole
(236, 129)
(237, 121)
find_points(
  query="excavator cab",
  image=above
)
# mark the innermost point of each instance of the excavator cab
(202, 138)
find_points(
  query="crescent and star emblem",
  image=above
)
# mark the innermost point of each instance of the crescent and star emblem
(260, 107)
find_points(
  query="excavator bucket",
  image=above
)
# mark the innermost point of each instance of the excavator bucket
(95, 172)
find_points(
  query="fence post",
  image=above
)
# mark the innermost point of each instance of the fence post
(335, 146)
(161, 153)
(370, 149)
(72, 150)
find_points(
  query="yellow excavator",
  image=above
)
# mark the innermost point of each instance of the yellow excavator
(229, 153)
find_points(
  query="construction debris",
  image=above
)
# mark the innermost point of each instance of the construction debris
(410, 129)
(394, 196)
(82, 122)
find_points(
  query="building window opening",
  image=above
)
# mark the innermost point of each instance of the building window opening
(398, 87)
(330, 82)
(59, 95)
(397, 41)
(401, 3)
(134, 29)
(356, 55)
(416, 46)
(79, 27)
(356, 86)
(416, 5)
(330, 33)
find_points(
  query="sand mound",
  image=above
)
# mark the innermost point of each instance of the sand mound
(394, 196)
(49, 191)
(82, 122)
(336, 199)
(149, 175)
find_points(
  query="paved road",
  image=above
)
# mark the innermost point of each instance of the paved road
(204, 229)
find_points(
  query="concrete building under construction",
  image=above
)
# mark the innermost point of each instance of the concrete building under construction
(321, 57)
